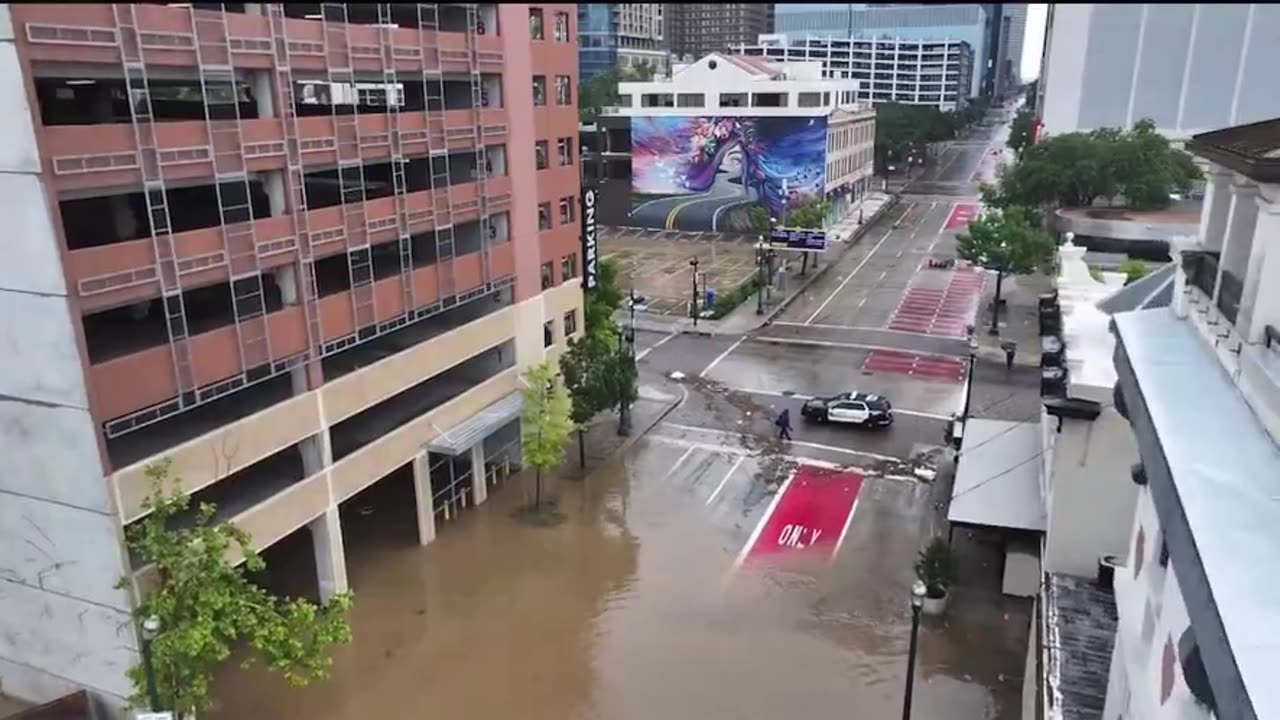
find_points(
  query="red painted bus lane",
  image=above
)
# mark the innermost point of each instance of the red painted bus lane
(961, 215)
(811, 513)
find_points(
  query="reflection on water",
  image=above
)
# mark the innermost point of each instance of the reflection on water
(625, 611)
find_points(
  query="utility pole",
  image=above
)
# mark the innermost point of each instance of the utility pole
(694, 264)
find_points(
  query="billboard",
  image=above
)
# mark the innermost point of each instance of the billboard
(798, 239)
(707, 172)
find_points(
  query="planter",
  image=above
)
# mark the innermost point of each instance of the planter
(935, 606)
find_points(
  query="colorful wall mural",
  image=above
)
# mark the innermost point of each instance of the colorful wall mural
(704, 173)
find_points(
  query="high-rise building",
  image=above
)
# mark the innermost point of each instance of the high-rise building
(912, 72)
(935, 23)
(699, 28)
(1189, 68)
(1013, 19)
(621, 36)
(294, 250)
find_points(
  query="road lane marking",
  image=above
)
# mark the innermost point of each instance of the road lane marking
(862, 302)
(721, 356)
(679, 462)
(657, 345)
(768, 513)
(857, 346)
(835, 553)
(729, 449)
(813, 509)
(802, 397)
(726, 479)
(845, 282)
(858, 328)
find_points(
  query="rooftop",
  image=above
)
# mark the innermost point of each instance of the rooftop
(1085, 328)
(1217, 488)
(1080, 618)
(1155, 290)
(1252, 150)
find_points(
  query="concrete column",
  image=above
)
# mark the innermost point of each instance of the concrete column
(263, 93)
(1216, 207)
(287, 281)
(479, 480)
(422, 497)
(317, 453)
(331, 561)
(1241, 222)
(273, 183)
(123, 219)
(1261, 304)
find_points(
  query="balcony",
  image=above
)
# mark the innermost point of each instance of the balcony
(235, 446)
(87, 34)
(125, 272)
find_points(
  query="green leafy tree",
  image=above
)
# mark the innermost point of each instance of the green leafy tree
(1134, 270)
(588, 367)
(1006, 242)
(545, 423)
(812, 215)
(605, 299)
(596, 93)
(759, 219)
(1075, 169)
(1021, 130)
(206, 605)
(642, 71)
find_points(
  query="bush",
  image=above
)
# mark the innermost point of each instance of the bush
(727, 301)
(1134, 270)
(936, 568)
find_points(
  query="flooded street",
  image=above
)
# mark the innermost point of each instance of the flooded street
(633, 608)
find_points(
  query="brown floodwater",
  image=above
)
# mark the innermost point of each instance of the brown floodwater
(630, 610)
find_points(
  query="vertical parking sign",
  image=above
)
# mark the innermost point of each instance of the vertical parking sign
(589, 239)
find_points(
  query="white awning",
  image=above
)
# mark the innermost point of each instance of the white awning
(998, 476)
(461, 437)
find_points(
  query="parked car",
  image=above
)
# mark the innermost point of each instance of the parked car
(853, 408)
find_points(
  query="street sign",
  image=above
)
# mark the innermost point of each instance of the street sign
(589, 269)
(798, 239)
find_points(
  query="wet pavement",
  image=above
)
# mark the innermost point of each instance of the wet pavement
(633, 607)
(643, 603)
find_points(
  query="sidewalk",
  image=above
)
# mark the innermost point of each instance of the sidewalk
(744, 319)
(658, 397)
(1019, 319)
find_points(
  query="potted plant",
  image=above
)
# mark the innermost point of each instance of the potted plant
(936, 569)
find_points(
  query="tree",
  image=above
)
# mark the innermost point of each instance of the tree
(1076, 169)
(1006, 242)
(1134, 270)
(811, 215)
(643, 71)
(545, 423)
(606, 299)
(206, 605)
(588, 367)
(759, 219)
(597, 92)
(1022, 130)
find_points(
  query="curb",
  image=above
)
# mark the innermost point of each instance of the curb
(637, 436)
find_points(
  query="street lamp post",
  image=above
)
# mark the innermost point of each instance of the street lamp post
(624, 407)
(694, 264)
(150, 628)
(968, 395)
(917, 602)
(760, 259)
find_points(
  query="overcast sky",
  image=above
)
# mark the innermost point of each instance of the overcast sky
(1033, 41)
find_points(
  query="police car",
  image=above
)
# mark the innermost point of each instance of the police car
(853, 408)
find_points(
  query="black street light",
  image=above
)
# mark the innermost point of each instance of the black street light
(760, 260)
(917, 602)
(968, 395)
(694, 264)
(150, 628)
(624, 408)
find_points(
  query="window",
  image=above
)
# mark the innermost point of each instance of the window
(624, 101)
(691, 100)
(809, 99)
(535, 23)
(540, 155)
(768, 100)
(564, 90)
(561, 30)
(548, 275)
(657, 100)
(564, 149)
(566, 210)
(539, 90)
(569, 266)
(548, 333)
(733, 99)
(570, 323)
(544, 216)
